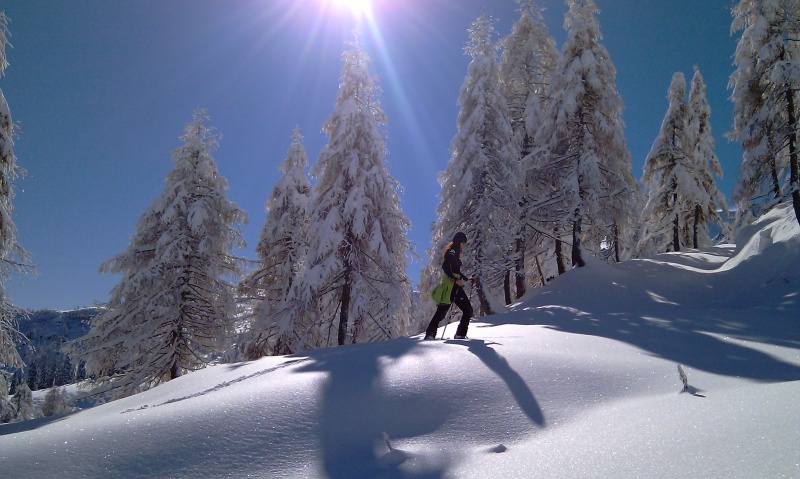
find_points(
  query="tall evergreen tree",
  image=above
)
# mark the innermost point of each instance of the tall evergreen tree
(281, 252)
(13, 257)
(358, 245)
(586, 166)
(706, 200)
(667, 176)
(528, 59)
(172, 303)
(765, 88)
(479, 194)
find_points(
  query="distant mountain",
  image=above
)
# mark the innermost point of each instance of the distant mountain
(47, 330)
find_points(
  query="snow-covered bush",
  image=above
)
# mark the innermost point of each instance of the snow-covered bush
(56, 402)
(23, 406)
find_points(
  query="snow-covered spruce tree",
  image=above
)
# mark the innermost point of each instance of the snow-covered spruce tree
(480, 194)
(765, 88)
(355, 288)
(281, 251)
(13, 257)
(667, 177)
(172, 304)
(586, 161)
(528, 59)
(705, 196)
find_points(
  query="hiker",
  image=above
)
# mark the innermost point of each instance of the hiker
(451, 290)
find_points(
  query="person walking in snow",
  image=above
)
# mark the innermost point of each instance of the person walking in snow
(451, 290)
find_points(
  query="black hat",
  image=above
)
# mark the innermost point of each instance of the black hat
(460, 238)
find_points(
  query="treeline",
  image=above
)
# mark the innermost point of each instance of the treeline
(46, 332)
(539, 178)
(45, 366)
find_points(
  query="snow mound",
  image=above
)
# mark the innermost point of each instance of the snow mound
(776, 230)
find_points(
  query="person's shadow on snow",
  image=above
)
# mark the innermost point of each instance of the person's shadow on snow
(499, 365)
(356, 408)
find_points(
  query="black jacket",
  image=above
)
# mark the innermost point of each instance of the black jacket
(452, 265)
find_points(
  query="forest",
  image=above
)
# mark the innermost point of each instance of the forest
(539, 179)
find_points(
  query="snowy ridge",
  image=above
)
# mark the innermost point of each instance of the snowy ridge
(579, 380)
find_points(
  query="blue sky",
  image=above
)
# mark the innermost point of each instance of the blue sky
(102, 89)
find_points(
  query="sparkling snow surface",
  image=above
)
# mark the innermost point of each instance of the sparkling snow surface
(579, 380)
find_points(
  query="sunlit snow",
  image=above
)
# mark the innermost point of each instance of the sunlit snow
(579, 380)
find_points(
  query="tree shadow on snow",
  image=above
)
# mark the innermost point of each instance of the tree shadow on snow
(711, 331)
(30, 425)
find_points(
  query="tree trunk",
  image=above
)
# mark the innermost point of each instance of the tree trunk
(175, 370)
(484, 309)
(773, 166)
(343, 312)
(794, 175)
(776, 184)
(519, 277)
(696, 226)
(676, 237)
(176, 337)
(577, 254)
(539, 268)
(344, 252)
(560, 256)
(615, 231)
(507, 287)
(282, 347)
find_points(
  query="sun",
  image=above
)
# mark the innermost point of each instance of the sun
(357, 7)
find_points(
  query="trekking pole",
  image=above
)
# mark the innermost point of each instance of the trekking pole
(448, 321)
(471, 289)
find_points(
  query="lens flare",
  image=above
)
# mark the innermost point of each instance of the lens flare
(357, 7)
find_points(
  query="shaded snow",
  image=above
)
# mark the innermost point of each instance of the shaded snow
(578, 380)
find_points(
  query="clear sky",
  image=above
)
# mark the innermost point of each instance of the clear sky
(102, 89)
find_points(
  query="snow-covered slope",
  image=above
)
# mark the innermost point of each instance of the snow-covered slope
(579, 380)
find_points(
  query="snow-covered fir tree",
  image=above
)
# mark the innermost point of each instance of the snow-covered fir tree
(584, 170)
(13, 257)
(355, 287)
(528, 59)
(708, 201)
(682, 197)
(480, 193)
(765, 88)
(667, 177)
(281, 251)
(173, 302)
